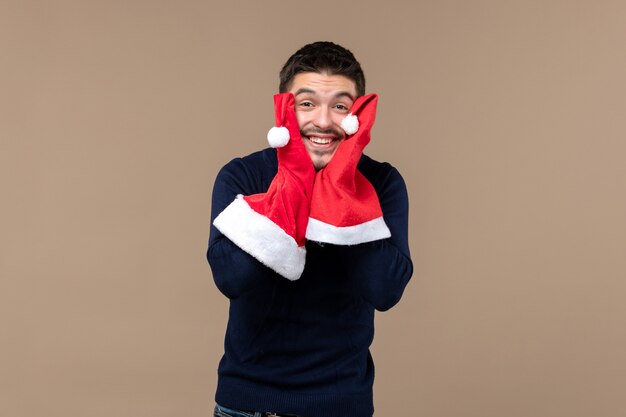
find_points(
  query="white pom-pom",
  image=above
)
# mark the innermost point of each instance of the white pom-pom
(278, 136)
(350, 124)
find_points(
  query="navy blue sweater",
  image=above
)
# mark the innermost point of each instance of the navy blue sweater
(302, 347)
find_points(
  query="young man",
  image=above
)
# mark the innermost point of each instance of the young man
(307, 240)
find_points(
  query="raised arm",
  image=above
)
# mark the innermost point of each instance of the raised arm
(383, 267)
(234, 270)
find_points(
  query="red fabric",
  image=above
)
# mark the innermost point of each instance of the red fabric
(287, 200)
(342, 196)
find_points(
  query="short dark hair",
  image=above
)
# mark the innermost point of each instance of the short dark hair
(322, 57)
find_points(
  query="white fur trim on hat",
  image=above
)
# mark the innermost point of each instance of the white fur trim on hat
(278, 136)
(350, 124)
(261, 238)
(369, 231)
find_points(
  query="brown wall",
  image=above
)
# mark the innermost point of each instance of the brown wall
(506, 119)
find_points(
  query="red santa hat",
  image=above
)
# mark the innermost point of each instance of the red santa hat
(345, 209)
(271, 226)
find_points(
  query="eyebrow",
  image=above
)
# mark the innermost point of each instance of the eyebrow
(338, 95)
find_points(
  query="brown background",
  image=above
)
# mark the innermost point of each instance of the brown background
(506, 119)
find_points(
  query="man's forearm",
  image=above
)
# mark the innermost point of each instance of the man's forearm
(234, 271)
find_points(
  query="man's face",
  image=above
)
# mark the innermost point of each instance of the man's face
(322, 101)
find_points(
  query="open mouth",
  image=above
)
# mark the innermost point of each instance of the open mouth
(320, 141)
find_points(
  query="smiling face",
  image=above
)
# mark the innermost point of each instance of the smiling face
(322, 101)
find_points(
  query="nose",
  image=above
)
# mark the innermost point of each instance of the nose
(322, 118)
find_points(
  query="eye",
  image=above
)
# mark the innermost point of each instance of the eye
(342, 107)
(305, 104)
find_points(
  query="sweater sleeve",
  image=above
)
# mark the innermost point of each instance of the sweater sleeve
(384, 266)
(234, 271)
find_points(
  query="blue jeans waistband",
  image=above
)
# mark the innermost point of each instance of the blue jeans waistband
(221, 411)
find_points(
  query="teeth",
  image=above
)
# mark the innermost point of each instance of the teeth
(320, 141)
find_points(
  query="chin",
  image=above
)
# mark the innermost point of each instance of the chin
(320, 163)
(321, 159)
